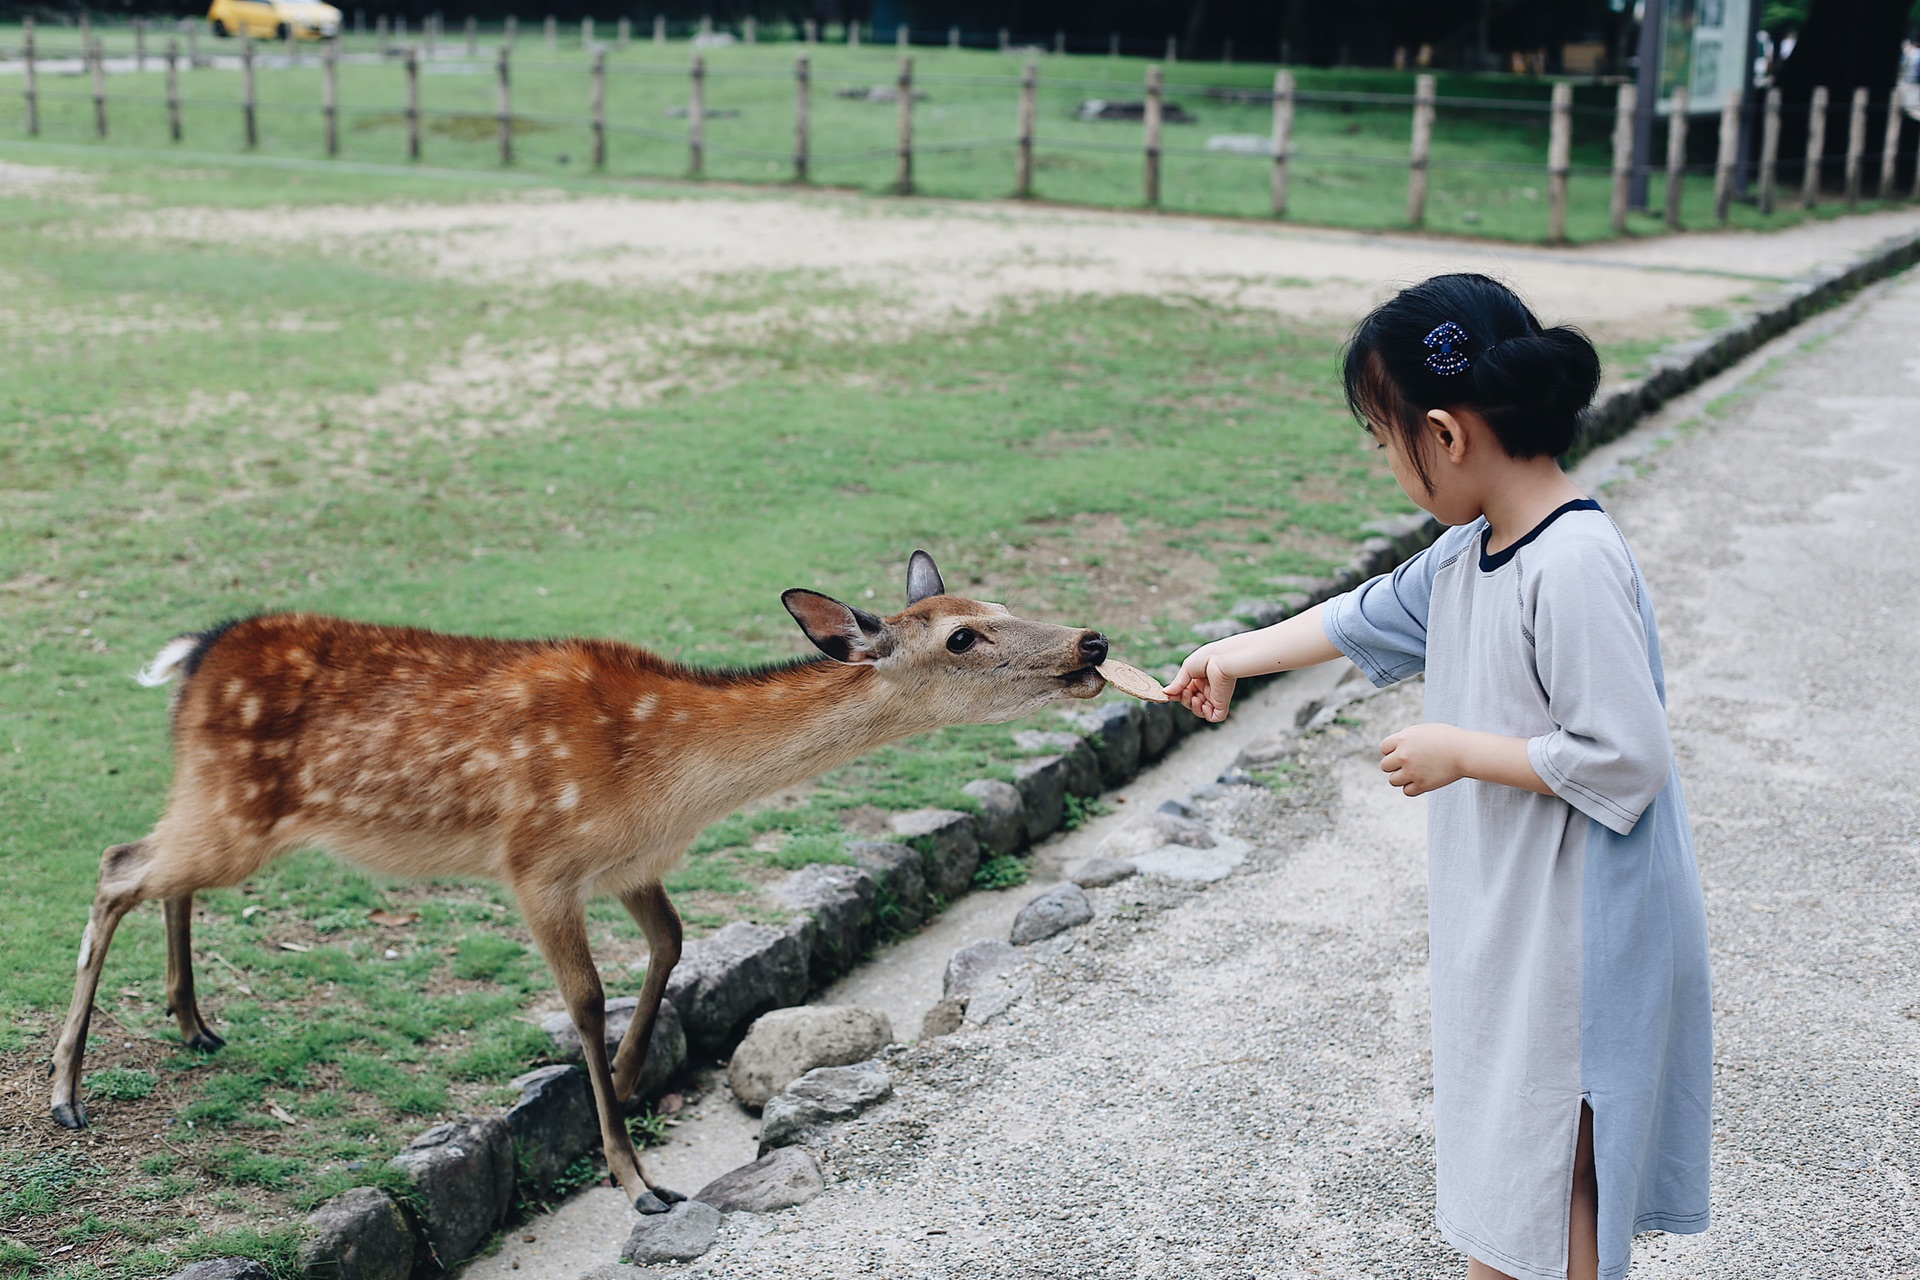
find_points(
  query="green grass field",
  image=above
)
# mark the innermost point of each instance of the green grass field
(1488, 161)
(180, 442)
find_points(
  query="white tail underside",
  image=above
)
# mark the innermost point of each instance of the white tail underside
(166, 662)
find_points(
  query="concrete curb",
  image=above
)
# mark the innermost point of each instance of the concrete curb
(841, 912)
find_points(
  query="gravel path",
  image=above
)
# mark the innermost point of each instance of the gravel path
(1233, 1081)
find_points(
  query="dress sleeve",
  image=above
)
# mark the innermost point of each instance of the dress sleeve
(1382, 623)
(1612, 752)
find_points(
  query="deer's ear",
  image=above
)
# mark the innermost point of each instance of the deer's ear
(840, 631)
(923, 578)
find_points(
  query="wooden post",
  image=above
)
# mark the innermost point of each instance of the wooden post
(598, 105)
(1421, 153)
(1816, 148)
(173, 87)
(1282, 138)
(193, 45)
(1155, 81)
(749, 30)
(697, 118)
(853, 34)
(1769, 150)
(98, 57)
(1676, 156)
(1059, 43)
(810, 31)
(586, 33)
(903, 180)
(1113, 45)
(953, 38)
(1173, 51)
(1005, 40)
(412, 65)
(901, 36)
(505, 96)
(802, 109)
(1890, 149)
(380, 34)
(509, 32)
(1728, 157)
(429, 33)
(1856, 145)
(31, 77)
(1625, 100)
(552, 33)
(623, 34)
(1559, 160)
(473, 37)
(330, 94)
(1023, 157)
(139, 44)
(1226, 50)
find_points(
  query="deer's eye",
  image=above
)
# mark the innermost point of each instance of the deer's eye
(962, 640)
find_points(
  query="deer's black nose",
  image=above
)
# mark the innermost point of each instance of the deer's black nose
(1093, 647)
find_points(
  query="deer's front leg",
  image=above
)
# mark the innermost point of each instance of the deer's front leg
(558, 922)
(657, 919)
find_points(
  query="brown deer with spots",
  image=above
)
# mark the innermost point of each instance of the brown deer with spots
(564, 767)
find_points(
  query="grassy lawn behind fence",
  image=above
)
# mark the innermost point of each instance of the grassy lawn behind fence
(1489, 149)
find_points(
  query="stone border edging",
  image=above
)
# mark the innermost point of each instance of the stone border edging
(467, 1173)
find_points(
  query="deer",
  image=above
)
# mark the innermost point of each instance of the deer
(565, 768)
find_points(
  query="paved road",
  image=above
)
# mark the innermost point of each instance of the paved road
(1232, 1081)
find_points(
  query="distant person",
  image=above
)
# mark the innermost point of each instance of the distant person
(1572, 1026)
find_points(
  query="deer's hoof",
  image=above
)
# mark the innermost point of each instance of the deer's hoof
(657, 1200)
(70, 1115)
(205, 1041)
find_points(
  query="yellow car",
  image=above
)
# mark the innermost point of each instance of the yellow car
(274, 19)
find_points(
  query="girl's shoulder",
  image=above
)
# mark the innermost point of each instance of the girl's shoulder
(1582, 548)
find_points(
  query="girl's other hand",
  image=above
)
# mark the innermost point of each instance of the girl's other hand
(1202, 685)
(1423, 758)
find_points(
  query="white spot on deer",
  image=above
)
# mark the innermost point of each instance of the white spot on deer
(681, 716)
(233, 690)
(520, 749)
(86, 947)
(243, 749)
(569, 796)
(563, 753)
(644, 705)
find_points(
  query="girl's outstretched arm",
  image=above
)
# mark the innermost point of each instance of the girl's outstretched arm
(1208, 676)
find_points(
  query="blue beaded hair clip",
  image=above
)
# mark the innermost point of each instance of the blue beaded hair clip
(1448, 355)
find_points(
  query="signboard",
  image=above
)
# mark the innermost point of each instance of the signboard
(1704, 47)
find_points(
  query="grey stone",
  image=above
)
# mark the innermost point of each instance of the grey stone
(1097, 873)
(360, 1235)
(1060, 908)
(621, 1271)
(973, 964)
(1113, 732)
(1261, 613)
(778, 1180)
(1235, 776)
(787, 1043)
(1083, 767)
(1177, 808)
(225, 1269)
(1001, 824)
(1042, 785)
(666, 1047)
(1264, 753)
(1157, 731)
(944, 1018)
(725, 981)
(901, 883)
(949, 852)
(679, 1235)
(462, 1175)
(1200, 866)
(1220, 628)
(554, 1123)
(820, 1097)
(1146, 831)
(840, 899)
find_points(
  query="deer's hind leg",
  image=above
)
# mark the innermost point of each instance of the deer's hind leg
(180, 996)
(654, 913)
(125, 871)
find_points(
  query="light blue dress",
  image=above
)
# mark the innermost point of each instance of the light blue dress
(1568, 938)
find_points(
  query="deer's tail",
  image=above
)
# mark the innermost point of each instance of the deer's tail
(167, 663)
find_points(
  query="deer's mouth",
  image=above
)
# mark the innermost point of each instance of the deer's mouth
(1084, 683)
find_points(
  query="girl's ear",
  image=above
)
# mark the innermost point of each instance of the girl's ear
(1447, 435)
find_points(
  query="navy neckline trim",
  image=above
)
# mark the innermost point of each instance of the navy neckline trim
(1488, 563)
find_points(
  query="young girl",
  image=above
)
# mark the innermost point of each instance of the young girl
(1572, 1046)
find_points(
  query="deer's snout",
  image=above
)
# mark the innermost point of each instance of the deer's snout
(1093, 647)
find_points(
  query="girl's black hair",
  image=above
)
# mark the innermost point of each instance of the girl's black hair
(1530, 384)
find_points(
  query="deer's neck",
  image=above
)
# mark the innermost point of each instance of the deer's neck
(743, 738)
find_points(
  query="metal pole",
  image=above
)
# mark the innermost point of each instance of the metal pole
(1623, 118)
(1023, 171)
(1282, 138)
(1155, 82)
